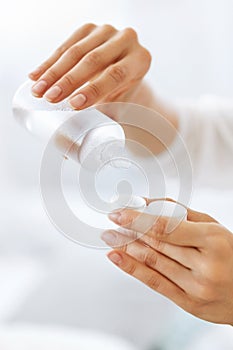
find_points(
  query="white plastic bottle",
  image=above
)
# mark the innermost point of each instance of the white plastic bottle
(82, 132)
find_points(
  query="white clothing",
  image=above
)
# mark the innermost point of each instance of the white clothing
(206, 127)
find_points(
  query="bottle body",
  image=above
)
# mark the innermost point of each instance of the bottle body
(76, 134)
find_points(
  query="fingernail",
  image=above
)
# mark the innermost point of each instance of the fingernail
(115, 258)
(53, 93)
(39, 87)
(115, 216)
(36, 71)
(109, 237)
(77, 101)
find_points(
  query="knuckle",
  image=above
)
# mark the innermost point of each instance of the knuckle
(159, 227)
(130, 33)
(214, 274)
(68, 81)
(151, 259)
(75, 53)
(52, 75)
(154, 229)
(206, 293)
(130, 268)
(94, 90)
(45, 65)
(154, 281)
(93, 59)
(60, 50)
(117, 73)
(127, 218)
(108, 28)
(159, 246)
(214, 236)
(208, 274)
(89, 26)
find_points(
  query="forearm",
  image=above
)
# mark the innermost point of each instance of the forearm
(145, 96)
(159, 128)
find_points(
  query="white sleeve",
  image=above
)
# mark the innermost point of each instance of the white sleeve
(206, 126)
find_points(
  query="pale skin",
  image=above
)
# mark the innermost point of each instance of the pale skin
(193, 265)
(112, 64)
(102, 56)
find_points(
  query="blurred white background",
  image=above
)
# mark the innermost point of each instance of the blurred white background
(44, 278)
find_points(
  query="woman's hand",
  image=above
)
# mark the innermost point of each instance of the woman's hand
(111, 62)
(100, 64)
(192, 265)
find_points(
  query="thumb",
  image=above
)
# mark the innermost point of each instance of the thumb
(193, 215)
(197, 216)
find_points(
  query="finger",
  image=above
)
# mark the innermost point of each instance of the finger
(193, 215)
(175, 272)
(151, 278)
(188, 257)
(89, 66)
(69, 60)
(184, 233)
(151, 200)
(74, 38)
(196, 216)
(114, 77)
